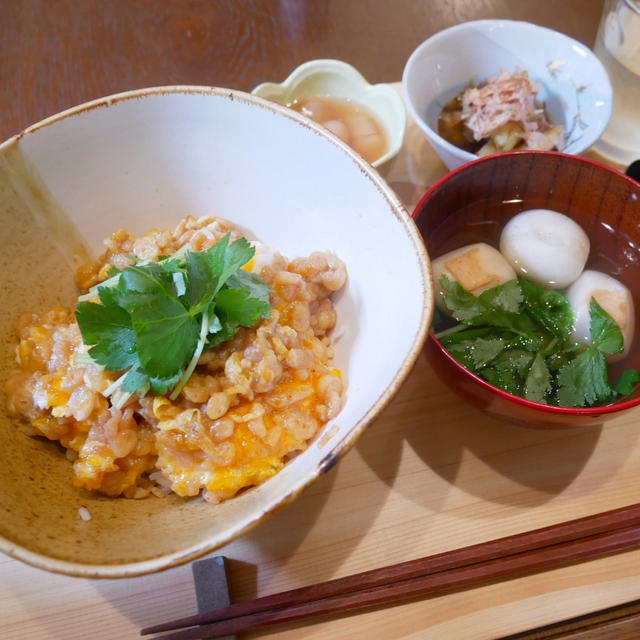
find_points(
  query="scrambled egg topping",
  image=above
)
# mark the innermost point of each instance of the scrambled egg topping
(251, 404)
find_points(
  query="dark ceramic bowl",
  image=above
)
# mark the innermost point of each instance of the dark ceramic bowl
(474, 202)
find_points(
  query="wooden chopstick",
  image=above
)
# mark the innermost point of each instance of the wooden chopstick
(472, 555)
(537, 559)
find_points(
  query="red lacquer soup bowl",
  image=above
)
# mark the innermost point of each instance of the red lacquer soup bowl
(474, 202)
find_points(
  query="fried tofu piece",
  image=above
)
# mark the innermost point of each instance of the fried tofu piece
(476, 267)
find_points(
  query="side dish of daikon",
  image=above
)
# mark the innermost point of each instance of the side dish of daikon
(530, 319)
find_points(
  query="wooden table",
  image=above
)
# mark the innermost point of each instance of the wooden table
(432, 473)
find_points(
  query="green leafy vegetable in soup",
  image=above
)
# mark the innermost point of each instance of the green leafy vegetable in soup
(154, 319)
(518, 336)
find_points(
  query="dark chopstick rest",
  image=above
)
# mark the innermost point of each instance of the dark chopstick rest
(546, 548)
(212, 585)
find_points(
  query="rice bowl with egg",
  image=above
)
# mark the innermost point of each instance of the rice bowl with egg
(142, 160)
(250, 403)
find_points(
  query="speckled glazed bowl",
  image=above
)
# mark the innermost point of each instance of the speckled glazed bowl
(337, 79)
(144, 160)
(474, 202)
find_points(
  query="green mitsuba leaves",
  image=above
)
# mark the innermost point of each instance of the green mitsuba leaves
(518, 336)
(155, 318)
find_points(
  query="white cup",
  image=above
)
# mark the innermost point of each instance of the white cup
(618, 48)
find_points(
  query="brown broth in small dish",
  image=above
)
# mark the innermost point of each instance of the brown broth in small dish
(451, 126)
(351, 122)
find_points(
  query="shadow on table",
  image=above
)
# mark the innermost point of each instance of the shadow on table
(475, 453)
(276, 540)
(171, 594)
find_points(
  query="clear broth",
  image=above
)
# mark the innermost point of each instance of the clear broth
(350, 121)
(449, 235)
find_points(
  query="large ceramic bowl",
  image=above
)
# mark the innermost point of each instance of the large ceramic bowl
(143, 160)
(575, 86)
(474, 202)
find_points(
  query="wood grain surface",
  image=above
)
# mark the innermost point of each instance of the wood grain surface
(55, 54)
(431, 474)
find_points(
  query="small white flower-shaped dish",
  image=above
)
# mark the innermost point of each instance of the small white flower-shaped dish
(337, 79)
(575, 86)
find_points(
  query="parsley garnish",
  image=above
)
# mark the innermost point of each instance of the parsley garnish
(154, 319)
(518, 337)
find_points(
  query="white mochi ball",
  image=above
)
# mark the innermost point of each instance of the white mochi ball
(546, 247)
(612, 296)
